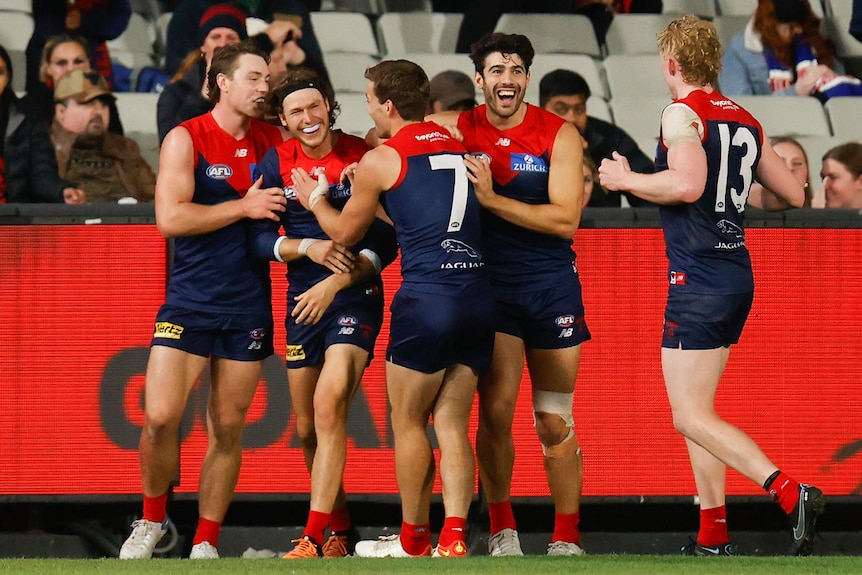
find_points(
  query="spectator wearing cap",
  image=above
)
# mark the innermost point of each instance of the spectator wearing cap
(185, 97)
(106, 166)
(452, 91)
(565, 94)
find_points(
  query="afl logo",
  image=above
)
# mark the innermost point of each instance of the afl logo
(565, 320)
(347, 320)
(219, 172)
(258, 333)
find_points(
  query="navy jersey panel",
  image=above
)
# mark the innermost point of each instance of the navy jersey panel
(706, 239)
(435, 211)
(298, 222)
(518, 258)
(214, 271)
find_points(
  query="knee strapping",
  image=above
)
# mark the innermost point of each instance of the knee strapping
(559, 404)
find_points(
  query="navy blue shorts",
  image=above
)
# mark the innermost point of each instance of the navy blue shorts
(551, 318)
(356, 323)
(431, 332)
(243, 337)
(704, 321)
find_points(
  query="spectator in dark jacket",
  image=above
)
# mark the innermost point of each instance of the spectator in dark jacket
(28, 167)
(565, 93)
(184, 97)
(96, 20)
(184, 23)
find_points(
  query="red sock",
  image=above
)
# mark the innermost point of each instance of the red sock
(416, 539)
(316, 526)
(785, 490)
(207, 531)
(501, 516)
(339, 520)
(155, 508)
(713, 527)
(454, 529)
(566, 527)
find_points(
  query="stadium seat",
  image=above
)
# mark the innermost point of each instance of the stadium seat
(845, 115)
(403, 32)
(344, 32)
(25, 6)
(138, 38)
(553, 33)
(787, 115)
(633, 75)
(598, 108)
(347, 71)
(138, 113)
(640, 117)
(404, 5)
(730, 26)
(15, 29)
(815, 147)
(636, 33)
(583, 65)
(436, 63)
(703, 8)
(353, 117)
(19, 68)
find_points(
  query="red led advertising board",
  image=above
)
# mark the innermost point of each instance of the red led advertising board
(77, 305)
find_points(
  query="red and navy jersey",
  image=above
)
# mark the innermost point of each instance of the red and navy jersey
(519, 259)
(214, 271)
(298, 222)
(435, 211)
(705, 239)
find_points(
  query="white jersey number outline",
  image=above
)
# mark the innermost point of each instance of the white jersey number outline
(742, 138)
(459, 196)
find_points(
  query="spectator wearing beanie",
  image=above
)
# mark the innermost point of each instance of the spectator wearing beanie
(184, 98)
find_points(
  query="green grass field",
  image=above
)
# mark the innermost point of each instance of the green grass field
(534, 565)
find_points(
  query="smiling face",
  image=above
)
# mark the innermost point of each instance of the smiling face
(305, 114)
(503, 81)
(843, 189)
(246, 90)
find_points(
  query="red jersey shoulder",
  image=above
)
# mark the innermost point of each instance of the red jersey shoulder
(717, 107)
(424, 138)
(263, 136)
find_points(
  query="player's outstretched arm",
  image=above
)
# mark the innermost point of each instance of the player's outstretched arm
(178, 215)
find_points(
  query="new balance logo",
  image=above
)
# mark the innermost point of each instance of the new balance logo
(241, 153)
(506, 142)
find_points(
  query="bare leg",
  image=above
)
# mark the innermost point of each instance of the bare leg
(691, 379)
(555, 370)
(171, 375)
(336, 385)
(233, 387)
(412, 395)
(451, 421)
(498, 393)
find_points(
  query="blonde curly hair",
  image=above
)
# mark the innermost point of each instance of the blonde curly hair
(694, 44)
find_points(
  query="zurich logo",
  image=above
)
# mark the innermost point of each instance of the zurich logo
(219, 172)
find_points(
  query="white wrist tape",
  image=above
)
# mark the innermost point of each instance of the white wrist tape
(304, 245)
(320, 191)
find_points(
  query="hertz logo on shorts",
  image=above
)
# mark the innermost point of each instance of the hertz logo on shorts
(295, 353)
(168, 330)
